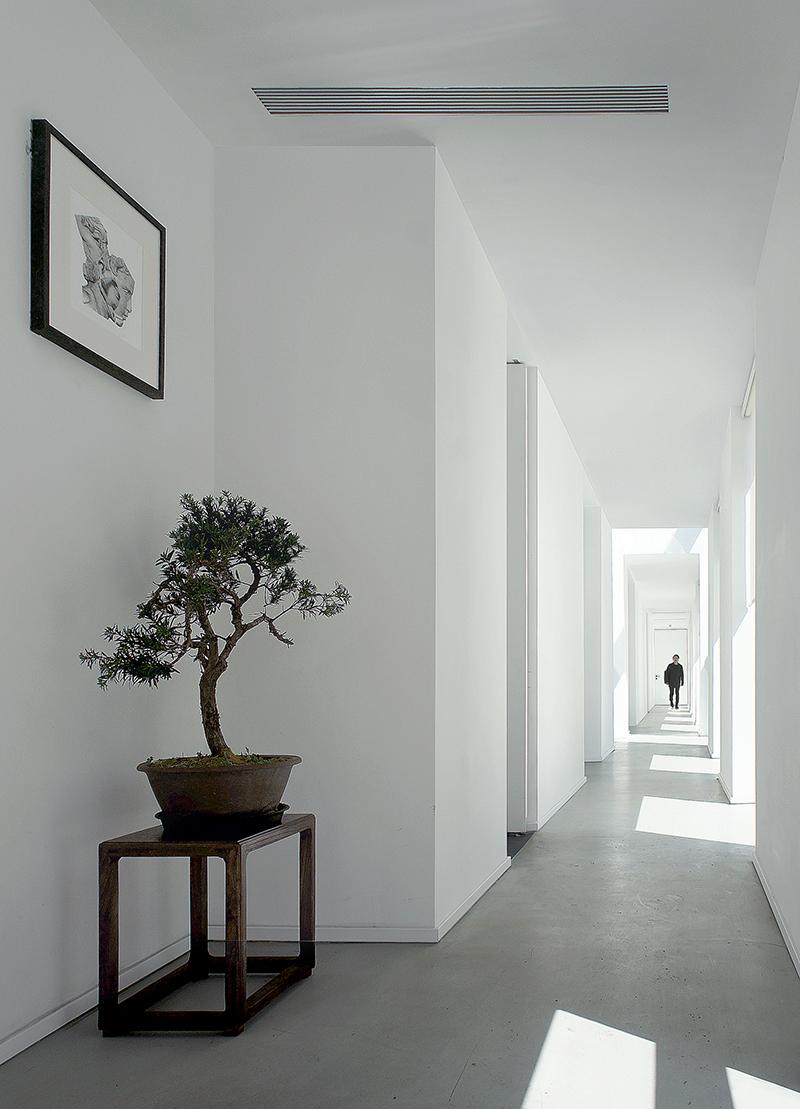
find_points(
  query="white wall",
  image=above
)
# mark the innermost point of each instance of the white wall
(559, 632)
(778, 543)
(92, 474)
(556, 695)
(470, 560)
(598, 637)
(325, 412)
(549, 703)
(364, 398)
(737, 617)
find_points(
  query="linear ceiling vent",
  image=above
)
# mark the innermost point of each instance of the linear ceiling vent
(465, 101)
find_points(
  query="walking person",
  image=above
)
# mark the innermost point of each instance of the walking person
(673, 677)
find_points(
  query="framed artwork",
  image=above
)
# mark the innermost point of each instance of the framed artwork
(98, 265)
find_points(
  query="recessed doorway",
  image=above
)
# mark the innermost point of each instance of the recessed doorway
(666, 643)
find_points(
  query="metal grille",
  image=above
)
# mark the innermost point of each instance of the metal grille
(464, 101)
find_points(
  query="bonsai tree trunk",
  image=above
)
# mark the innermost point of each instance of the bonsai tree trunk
(210, 713)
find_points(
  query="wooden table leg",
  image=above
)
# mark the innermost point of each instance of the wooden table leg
(235, 941)
(108, 922)
(198, 898)
(307, 897)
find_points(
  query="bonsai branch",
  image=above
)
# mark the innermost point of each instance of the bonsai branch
(200, 575)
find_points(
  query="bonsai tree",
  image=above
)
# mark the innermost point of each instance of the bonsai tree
(227, 557)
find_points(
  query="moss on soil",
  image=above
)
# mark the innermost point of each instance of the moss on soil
(208, 762)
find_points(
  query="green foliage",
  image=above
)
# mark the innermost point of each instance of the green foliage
(226, 554)
(141, 656)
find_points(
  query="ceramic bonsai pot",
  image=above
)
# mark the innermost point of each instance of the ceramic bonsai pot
(194, 796)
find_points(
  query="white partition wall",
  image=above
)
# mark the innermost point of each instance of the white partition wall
(560, 647)
(778, 544)
(559, 632)
(737, 613)
(598, 637)
(363, 396)
(470, 764)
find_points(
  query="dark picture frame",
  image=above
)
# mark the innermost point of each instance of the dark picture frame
(110, 352)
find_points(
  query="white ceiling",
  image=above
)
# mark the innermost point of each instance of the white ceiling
(665, 573)
(628, 246)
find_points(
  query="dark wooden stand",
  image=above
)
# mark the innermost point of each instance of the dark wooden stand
(117, 1017)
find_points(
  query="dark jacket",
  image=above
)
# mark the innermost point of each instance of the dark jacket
(673, 675)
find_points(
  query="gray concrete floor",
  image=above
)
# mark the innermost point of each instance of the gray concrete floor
(666, 938)
(663, 721)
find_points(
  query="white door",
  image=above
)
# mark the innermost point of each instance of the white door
(666, 643)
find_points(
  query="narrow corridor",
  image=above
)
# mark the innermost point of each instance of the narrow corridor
(662, 722)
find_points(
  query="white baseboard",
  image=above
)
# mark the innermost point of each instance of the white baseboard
(791, 947)
(366, 933)
(50, 1022)
(540, 823)
(335, 933)
(444, 926)
(603, 758)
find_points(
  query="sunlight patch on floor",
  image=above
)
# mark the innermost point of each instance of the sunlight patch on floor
(748, 1092)
(685, 764)
(583, 1063)
(710, 820)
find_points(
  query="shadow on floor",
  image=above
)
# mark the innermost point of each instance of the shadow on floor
(516, 841)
